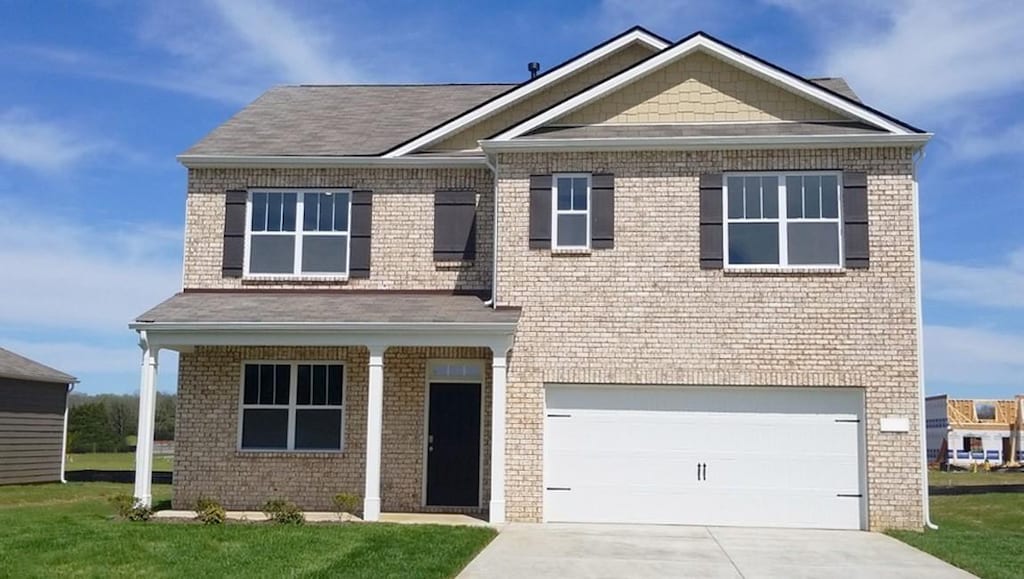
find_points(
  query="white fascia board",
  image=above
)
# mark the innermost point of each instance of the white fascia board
(706, 143)
(184, 336)
(314, 161)
(526, 90)
(797, 85)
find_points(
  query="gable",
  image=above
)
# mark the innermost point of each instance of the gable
(698, 88)
(590, 75)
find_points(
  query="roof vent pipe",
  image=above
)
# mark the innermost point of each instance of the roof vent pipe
(534, 68)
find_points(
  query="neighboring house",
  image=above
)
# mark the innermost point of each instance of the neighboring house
(33, 420)
(969, 432)
(659, 283)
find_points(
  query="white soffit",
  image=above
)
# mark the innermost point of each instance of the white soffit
(786, 80)
(529, 88)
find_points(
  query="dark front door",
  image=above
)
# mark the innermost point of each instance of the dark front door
(453, 445)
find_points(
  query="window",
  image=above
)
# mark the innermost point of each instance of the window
(292, 406)
(570, 223)
(782, 220)
(972, 444)
(985, 410)
(298, 233)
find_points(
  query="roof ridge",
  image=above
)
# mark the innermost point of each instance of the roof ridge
(401, 84)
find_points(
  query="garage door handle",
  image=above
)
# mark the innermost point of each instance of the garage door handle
(559, 489)
(849, 496)
(702, 471)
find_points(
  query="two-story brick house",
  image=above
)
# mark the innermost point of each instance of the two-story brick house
(659, 283)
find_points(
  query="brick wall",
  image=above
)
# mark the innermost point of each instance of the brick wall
(702, 89)
(402, 239)
(644, 313)
(207, 462)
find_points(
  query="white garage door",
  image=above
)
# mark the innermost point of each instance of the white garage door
(772, 457)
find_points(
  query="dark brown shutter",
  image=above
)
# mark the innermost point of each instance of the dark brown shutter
(362, 226)
(234, 232)
(855, 219)
(711, 250)
(540, 211)
(602, 211)
(454, 225)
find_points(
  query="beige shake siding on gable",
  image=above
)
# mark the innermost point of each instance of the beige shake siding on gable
(645, 313)
(698, 89)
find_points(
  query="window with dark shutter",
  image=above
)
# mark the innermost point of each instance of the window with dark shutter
(711, 240)
(540, 211)
(454, 225)
(602, 212)
(361, 228)
(234, 232)
(855, 219)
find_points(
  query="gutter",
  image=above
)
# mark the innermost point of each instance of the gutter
(314, 161)
(153, 327)
(493, 302)
(926, 506)
(703, 142)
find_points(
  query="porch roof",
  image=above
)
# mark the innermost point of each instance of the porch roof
(322, 307)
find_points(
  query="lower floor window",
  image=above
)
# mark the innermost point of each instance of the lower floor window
(292, 406)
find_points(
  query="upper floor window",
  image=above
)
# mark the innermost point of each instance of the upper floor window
(782, 219)
(570, 219)
(298, 233)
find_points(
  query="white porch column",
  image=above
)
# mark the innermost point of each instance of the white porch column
(374, 428)
(147, 414)
(498, 395)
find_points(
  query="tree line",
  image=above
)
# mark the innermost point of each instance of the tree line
(110, 422)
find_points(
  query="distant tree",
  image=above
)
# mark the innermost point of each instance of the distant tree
(123, 414)
(165, 407)
(91, 430)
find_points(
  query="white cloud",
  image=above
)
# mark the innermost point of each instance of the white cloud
(232, 50)
(1000, 286)
(973, 357)
(60, 274)
(43, 145)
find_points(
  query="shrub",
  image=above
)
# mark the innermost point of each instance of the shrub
(346, 503)
(283, 512)
(209, 511)
(128, 510)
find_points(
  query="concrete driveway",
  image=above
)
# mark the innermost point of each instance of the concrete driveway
(566, 551)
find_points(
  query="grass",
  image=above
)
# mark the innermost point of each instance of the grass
(980, 533)
(113, 461)
(967, 478)
(66, 531)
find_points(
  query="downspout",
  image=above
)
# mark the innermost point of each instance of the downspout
(493, 166)
(920, 345)
(64, 441)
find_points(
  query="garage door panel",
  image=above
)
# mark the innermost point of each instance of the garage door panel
(785, 465)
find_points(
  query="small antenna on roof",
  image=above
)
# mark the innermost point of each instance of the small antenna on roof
(534, 68)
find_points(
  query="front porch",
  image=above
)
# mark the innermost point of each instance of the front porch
(408, 415)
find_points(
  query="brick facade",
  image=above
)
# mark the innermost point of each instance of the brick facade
(645, 313)
(207, 462)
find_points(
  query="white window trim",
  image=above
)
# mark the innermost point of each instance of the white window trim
(298, 234)
(292, 406)
(555, 211)
(783, 221)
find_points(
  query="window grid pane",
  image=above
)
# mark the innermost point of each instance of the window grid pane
(313, 428)
(735, 185)
(579, 194)
(273, 212)
(259, 212)
(564, 194)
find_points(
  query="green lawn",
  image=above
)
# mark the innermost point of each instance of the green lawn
(113, 461)
(983, 534)
(966, 478)
(66, 530)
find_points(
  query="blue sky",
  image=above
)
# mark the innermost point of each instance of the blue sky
(99, 96)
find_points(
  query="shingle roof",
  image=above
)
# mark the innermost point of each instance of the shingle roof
(340, 119)
(16, 366)
(704, 130)
(325, 307)
(837, 85)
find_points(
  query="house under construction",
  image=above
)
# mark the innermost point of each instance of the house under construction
(966, 432)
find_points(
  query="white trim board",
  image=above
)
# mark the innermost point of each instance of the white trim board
(704, 143)
(529, 88)
(702, 42)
